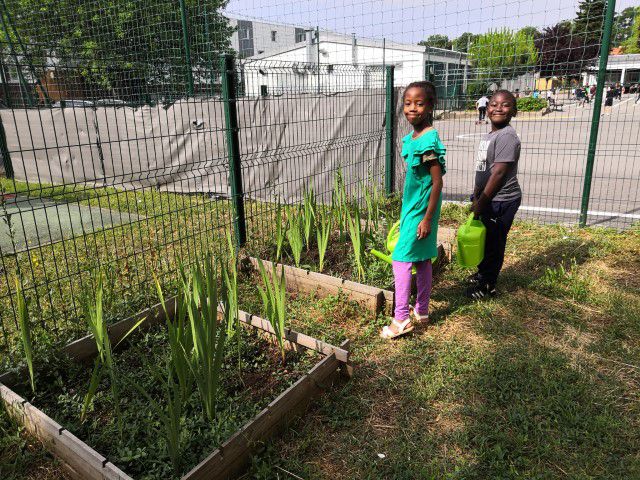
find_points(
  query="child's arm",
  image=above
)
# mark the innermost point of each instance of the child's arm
(482, 199)
(424, 227)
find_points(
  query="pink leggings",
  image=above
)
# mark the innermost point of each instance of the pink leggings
(402, 274)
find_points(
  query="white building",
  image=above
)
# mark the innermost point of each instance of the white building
(259, 37)
(332, 62)
(624, 69)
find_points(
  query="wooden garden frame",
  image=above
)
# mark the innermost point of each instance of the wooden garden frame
(374, 299)
(84, 463)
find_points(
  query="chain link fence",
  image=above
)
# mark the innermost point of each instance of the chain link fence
(134, 136)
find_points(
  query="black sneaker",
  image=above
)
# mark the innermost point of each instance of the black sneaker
(480, 292)
(474, 279)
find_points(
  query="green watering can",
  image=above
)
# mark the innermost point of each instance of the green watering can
(471, 239)
(392, 241)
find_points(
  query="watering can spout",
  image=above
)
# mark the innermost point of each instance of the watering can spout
(381, 256)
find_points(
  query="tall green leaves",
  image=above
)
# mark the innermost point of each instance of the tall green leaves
(274, 301)
(294, 235)
(104, 360)
(356, 240)
(323, 232)
(309, 215)
(25, 332)
(280, 231)
(180, 340)
(202, 296)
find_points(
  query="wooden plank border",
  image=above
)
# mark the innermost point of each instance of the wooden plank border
(374, 299)
(235, 453)
(84, 463)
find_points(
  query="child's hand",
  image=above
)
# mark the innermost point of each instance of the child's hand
(424, 229)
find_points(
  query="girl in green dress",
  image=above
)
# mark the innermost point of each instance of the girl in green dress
(424, 153)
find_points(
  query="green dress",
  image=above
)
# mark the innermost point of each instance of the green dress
(415, 199)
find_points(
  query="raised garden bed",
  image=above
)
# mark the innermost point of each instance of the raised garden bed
(373, 298)
(311, 366)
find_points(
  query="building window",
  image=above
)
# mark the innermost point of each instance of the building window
(273, 35)
(300, 35)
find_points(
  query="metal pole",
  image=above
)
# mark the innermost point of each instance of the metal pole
(597, 107)
(227, 68)
(318, 55)
(389, 144)
(187, 49)
(5, 84)
(4, 152)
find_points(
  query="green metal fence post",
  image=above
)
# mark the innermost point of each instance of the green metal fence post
(187, 49)
(227, 69)
(389, 143)
(597, 107)
(4, 152)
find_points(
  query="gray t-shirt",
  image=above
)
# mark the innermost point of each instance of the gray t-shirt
(501, 146)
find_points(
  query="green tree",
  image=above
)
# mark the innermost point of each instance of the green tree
(125, 48)
(438, 40)
(500, 54)
(588, 25)
(632, 43)
(532, 31)
(623, 25)
(461, 43)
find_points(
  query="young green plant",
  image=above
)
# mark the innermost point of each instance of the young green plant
(25, 332)
(323, 232)
(294, 235)
(274, 301)
(104, 359)
(202, 298)
(309, 217)
(356, 241)
(180, 339)
(281, 228)
(339, 202)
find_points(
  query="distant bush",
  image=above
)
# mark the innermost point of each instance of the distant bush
(530, 104)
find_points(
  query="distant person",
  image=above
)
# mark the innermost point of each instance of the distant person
(592, 92)
(535, 94)
(421, 201)
(619, 91)
(637, 94)
(481, 106)
(608, 101)
(517, 93)
(497, 194)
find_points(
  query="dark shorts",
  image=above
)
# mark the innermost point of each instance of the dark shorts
(608, 102)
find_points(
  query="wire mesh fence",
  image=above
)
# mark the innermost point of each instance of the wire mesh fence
(135, 135)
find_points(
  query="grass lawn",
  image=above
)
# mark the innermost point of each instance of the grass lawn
(541, 382)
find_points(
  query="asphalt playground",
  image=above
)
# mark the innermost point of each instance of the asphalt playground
(553, 161)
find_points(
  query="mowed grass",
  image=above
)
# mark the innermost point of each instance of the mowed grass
(541, 382)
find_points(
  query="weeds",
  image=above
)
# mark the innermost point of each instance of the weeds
(170, 416)
(274, 301)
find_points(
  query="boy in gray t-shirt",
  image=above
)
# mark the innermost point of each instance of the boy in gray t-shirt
(497, 193)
